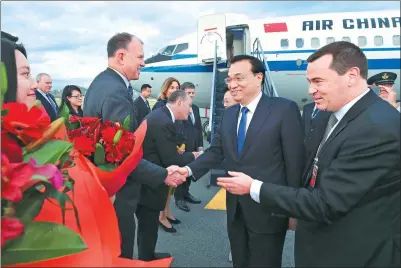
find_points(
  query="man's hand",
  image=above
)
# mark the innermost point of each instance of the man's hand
(174, 176)
(239, 183)
(196, 154)
(292, 224)
(388, 94)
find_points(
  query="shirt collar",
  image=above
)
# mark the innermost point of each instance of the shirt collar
(254, 103)
(122, 76)
(343, 110)
(171, 112)
(143, 98)
(41, 92)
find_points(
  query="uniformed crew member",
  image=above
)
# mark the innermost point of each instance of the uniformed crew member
(385, 82)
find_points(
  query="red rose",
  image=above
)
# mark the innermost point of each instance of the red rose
(84, 144)
(11, 148)
(27, 125)
(10, 229)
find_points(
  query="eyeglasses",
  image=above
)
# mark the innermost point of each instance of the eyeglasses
(78, 96)
(237, 79)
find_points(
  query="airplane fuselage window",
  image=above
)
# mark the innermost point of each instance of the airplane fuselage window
(299, 42)
(315, 42)
(168, 51)
(284, 43)
(330, 40)
(362, 41)
(181, 48)
(378, 40)
(347, 39)
(396, 40)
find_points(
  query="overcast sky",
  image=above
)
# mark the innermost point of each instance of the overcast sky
(68, 39)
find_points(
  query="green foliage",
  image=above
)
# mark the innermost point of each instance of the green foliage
(42, 241)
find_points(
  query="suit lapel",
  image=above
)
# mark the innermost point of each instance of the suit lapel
(355, 110)
(258, 120)
(233, 119)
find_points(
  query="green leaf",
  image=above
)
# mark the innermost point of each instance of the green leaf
(65, 113)
(4, 112)
(127, 122)
(117, 136)
(99, 156)
(30, 205)
(42, 241)
(107, 167)
(3, 79)
(50, 152)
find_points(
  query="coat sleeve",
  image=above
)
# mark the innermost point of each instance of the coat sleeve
(167, 148)
(212, 156)
(116, 108)
(362, 166)
(292, 142)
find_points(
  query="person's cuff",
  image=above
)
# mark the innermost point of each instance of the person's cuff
(255, 190)
(189, 171)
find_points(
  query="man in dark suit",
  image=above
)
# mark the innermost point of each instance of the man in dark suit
(46, 98)
(349, 211)
(110, 97)
(261, 137)
(141, 104)
(194, 140)
(314, 122)
(160, 148)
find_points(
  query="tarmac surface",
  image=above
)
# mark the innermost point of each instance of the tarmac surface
(201, 239)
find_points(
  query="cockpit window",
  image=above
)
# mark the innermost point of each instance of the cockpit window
(181, 48)
(168, 51)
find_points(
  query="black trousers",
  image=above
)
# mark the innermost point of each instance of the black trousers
(148, 227)
(182, 190)
(250, 249)
(125, 212)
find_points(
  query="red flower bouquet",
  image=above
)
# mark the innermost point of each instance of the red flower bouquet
(33, 170)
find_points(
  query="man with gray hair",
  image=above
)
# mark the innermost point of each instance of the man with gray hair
(46, 98)
(194, 142)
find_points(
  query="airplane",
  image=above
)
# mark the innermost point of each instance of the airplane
(286, 43)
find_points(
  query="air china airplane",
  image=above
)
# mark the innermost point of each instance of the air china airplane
(286, 41)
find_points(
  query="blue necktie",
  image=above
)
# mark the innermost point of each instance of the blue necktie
(315, 112)
(52, 103)
(130, 91)
(241, 130)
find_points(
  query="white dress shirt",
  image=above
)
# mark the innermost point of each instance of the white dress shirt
(171, 112)
(256, 184)
(251, 111)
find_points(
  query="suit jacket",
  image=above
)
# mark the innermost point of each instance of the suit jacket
(194, 137)
(313, 128)
(352, 216)
(107, 98)
(273, 151)
(46, 104)
(160, 148)
(159, 103)
(141, 109)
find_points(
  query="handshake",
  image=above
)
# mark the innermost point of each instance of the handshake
(176, 176)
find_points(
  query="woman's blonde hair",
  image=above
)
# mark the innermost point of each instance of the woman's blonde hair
(167, 83)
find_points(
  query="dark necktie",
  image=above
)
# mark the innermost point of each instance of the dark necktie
(332, 121)
(147, 103)
(314, 114)
(311, 176)
(130, 91)
(242, 130)
(51, 102)
(191, 117)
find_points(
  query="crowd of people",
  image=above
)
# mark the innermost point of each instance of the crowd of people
(331, 174)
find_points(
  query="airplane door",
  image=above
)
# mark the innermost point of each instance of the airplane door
(211, 28)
